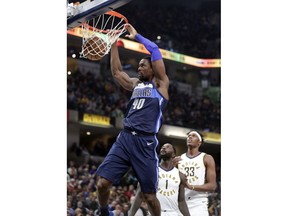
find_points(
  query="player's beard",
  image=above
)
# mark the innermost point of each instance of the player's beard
(165, 157)
(143, 79)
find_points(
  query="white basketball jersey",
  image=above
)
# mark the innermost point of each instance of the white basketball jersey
(168, 190)
(194, 169)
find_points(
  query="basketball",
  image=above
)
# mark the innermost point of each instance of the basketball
(94, 48)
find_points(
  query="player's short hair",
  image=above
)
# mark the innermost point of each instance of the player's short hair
(200, 134)
(149, 59)
(174, 149)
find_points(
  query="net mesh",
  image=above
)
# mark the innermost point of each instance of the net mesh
(99, 33)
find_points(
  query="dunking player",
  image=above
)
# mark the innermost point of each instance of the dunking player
(171, 186)
(136, 145)
(199, 169)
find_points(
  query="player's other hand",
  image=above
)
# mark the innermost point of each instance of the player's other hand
(176, 160)
(132, 32)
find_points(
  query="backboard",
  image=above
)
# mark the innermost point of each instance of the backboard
(77, 14)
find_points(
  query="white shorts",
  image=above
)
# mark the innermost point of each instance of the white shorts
(198, 208)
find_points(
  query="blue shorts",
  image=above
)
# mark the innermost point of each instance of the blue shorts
(132, 150)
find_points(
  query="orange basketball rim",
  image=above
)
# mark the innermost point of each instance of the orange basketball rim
(103, 30)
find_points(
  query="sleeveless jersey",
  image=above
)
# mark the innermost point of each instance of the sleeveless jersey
(144, 111)
(195, 170)
(168, 189)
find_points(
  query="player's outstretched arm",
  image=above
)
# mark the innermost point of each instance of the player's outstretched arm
(182, 205)
(156, 59)
(176, 160)
(136, 203)
(117, 72)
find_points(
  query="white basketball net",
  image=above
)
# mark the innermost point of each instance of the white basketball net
(107, 28)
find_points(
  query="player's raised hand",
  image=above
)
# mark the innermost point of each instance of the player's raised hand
(132, 32)
(176, 160)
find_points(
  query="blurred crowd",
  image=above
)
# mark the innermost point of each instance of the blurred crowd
(102, 96)
(194, 32)
(82, 196)
(194, 112)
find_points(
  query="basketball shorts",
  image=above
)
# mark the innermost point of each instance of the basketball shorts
(134, 150)
(198, 207)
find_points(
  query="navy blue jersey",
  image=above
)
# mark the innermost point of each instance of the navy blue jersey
(144, 111)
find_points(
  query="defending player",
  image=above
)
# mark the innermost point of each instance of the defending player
(199, 169)
(171, 187)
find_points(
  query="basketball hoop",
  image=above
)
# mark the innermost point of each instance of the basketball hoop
(100, 33)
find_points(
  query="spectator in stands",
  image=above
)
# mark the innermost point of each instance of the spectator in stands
(130, 192)
(125, 209)
(70, 209)
(72, 171)
(118, 210)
